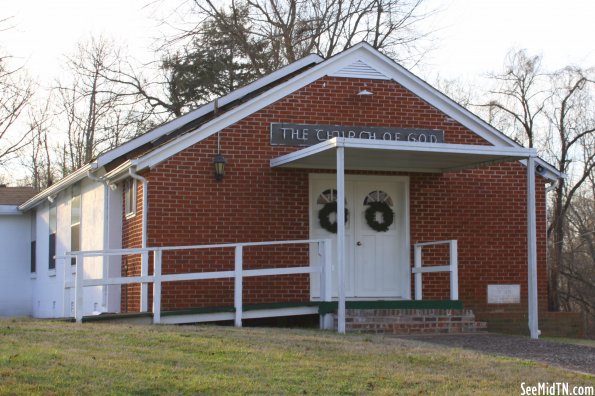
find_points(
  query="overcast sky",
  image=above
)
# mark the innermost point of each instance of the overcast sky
(472, 36)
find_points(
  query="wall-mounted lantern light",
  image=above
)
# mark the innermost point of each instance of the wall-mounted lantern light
(219, 163)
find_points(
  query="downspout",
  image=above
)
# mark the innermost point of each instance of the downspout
(144, 269)
(106, 211)
(138, 177)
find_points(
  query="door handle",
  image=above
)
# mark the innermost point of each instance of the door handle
(358, 243)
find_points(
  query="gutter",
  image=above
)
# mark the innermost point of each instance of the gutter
(119, 173)
(144, 269)
(106, 227)
(134, 175)
(54, 189)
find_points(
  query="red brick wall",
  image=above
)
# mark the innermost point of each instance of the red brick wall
(485, 209)
(132, 238)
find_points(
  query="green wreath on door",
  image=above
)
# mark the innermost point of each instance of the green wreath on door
(388, 216)
(324, 216)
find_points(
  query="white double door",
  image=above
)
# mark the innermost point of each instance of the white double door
(376, 262)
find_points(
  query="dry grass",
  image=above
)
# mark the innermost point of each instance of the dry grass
(44, 357)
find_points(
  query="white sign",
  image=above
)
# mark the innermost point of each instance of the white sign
(504, 294)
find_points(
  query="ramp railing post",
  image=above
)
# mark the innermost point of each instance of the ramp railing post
(66, 264)
(144, 287)
(157, 262)
(238, 282)
(78, 289)
(454, 270)
(417, 275)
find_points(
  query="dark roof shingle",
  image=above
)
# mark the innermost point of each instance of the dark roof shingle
(15, 195)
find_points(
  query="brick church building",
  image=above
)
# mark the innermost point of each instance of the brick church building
(417, 199)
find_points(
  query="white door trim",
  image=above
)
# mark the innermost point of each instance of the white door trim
(404, 181)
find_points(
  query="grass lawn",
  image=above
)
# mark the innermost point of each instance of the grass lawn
(45, 357)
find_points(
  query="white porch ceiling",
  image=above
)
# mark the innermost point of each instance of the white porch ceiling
(362, 154)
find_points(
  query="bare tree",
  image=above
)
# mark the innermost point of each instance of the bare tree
(97, 113)
(520, 96)
(222, 47)
(295, 28)
(572, 124)
(553, 112)
(577, 291)
(37, 157)
(16, 91)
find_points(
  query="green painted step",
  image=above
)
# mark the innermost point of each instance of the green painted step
(329, 307)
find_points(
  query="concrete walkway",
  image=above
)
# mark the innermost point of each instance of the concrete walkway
(573, 357)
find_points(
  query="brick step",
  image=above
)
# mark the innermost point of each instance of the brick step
(411, 321)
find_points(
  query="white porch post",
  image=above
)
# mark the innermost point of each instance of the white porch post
(341, 237)
(532, 249)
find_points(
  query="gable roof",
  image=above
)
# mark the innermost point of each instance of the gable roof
(359, 61)
(170, 128)
(206, 109)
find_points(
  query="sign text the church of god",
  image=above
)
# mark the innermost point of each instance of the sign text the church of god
(307, 135)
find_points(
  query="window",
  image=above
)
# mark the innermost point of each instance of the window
(33, 263)
(75, 221)
(130, 197)
(53, 223)
(33, 243)
(378, 196)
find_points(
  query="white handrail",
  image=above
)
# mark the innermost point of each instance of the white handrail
(324, 251)
(453, 267)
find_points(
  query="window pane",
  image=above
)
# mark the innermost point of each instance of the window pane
(75, 238)
(129, 197)
(75, 210)
(52, 251)
(53, 219)
(33, 258)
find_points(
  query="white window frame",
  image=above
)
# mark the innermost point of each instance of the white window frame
(76, 192)
(130, 184)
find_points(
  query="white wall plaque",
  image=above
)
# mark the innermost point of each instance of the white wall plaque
(504, 294)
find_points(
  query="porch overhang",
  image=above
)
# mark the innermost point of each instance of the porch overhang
(380, 155)
(344, 154)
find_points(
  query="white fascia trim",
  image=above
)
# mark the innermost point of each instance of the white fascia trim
(303, 153)
(437, 99)
(206, 109)
(505, 152)
(519, 152)
(119, 173)
(234, 115)
(54, 189)
(10, 210)
(550, 173)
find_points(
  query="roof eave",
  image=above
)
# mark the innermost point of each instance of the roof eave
(10, 210)
(54, 189)
(207, 108)
(119, 173)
